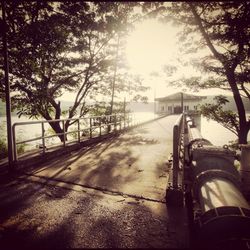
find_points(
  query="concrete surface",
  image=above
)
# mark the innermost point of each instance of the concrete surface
(110, 195)
(134, 163)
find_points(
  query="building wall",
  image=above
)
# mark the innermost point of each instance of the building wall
(168, 107)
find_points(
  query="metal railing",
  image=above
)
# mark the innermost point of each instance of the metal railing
(174, 192)
(178, 149)
(94, 126)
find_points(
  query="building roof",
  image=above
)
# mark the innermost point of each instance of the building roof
(177, 97)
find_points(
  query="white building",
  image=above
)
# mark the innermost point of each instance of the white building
(172, 104)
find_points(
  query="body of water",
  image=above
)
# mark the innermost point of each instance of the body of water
(216, 133)
(210, 130)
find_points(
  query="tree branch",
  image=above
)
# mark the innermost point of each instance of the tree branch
(245, 90)
(205, 35)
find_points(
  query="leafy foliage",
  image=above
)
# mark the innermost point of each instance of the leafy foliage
(226, 118)
(63, 46)
(4, 145)
(215, 37)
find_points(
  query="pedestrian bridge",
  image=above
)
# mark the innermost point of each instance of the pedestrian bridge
(107, 194)
(133, 163)
(86, 193)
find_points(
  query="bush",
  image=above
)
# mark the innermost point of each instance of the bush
(20, 148)
(4, 145)
(3, 149)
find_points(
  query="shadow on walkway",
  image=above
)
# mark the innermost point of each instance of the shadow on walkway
(80, 220)
(44, 213)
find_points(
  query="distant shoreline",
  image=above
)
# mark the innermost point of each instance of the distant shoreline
(144, 107)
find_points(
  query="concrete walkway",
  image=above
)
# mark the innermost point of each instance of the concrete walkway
(107, 195)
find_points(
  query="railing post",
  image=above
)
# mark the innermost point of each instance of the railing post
(90, 127)
(64, 138)
(109, 120)
(43, 139)
(182, 149)
(14, 143)
(115, 122)
(174, 194)
(78, 126)
(175, 156)
(100, 127)
(120, 122)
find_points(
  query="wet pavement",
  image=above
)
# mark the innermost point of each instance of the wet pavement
(110, 195)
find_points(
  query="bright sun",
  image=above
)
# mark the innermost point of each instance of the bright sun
(150, 46)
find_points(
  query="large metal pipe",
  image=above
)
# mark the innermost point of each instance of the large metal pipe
(225, 215)
(224, 218)
(218, 192)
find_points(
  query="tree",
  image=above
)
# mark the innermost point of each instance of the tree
(42, 38)
(223, 30)
(57, 47)
(123, 17)
(227, 118)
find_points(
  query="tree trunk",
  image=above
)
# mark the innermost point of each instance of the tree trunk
(54, 125)
(57, 128)
(243, 124)
(243, 135)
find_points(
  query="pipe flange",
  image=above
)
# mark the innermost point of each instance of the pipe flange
(200, 142)
(223, 224)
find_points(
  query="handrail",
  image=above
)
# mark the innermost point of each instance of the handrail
(177, 130)
(66, 119)
(174, 192)
(94, 122)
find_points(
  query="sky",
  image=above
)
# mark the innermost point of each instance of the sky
(149, 47)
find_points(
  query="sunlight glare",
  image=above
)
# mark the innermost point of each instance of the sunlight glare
(150, 46)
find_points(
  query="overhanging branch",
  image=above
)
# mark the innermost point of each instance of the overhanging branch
(205, 35)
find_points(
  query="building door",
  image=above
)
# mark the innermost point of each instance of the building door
(170, 110)
(177, 110)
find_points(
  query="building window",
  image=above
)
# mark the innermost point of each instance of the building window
(186, 108)
(162, 108)
(195, 107)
